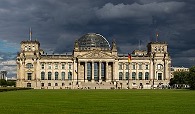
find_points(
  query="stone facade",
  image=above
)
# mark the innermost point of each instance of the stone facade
(93, 64)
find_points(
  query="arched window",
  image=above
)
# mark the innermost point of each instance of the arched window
(133, 75)
(56, 75)
(29, 65)
(42, 75)
(49, 75)
(140, 75)
(127, 75)
(120, 75)
(63, 75)
(147, 76)
(69, 75)
(159, 66)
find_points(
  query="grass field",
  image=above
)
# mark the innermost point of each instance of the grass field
(97, 101)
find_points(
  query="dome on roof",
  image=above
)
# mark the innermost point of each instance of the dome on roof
(93, 40)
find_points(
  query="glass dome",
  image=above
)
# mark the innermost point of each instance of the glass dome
(93, 40)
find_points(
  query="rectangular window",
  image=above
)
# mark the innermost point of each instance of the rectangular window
(42, 66)
(29, 76)
(159, 76)
(120, 66)
(56, 65)
(69, 66)
(133, 67)
(63, 65)
(49, 66)
(147, 67)
(49, 84)
(127, 66)
(140, 66)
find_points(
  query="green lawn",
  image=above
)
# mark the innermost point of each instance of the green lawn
(97, 101)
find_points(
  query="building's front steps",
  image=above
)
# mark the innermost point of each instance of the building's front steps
(123, 84)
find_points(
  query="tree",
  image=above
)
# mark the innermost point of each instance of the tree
(180, 78)
(11, 83)
(3, 82)
(191, 78)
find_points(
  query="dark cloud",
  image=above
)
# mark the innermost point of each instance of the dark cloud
(56, 24)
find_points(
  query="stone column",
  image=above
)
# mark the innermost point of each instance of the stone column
(137, 75)
(113, 68)
(143, 71)
(85, 77)
(92, 76)
(151, 70)
(124, 76)
(165, 70)
(100, 73)
(52, 72)
(78, 71)
(59, 71)
(154, 71)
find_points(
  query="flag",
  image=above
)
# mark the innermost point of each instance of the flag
(129, 57)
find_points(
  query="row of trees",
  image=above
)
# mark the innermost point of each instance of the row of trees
(4, 83)
(182, 79)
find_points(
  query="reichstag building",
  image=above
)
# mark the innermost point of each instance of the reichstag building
(93, 64)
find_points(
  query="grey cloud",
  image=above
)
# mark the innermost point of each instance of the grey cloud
(56, 24)
(137, 10)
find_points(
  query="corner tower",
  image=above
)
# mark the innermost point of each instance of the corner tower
(27, 60)
(160, 60)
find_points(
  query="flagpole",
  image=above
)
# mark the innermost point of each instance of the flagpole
(128, 75)
(157, 36)
(30, 34)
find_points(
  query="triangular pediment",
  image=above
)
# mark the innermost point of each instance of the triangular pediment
(97, 54)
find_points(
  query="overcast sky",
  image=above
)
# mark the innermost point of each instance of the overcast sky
(57, 23)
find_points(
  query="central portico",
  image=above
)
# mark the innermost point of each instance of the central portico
(96, 59)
